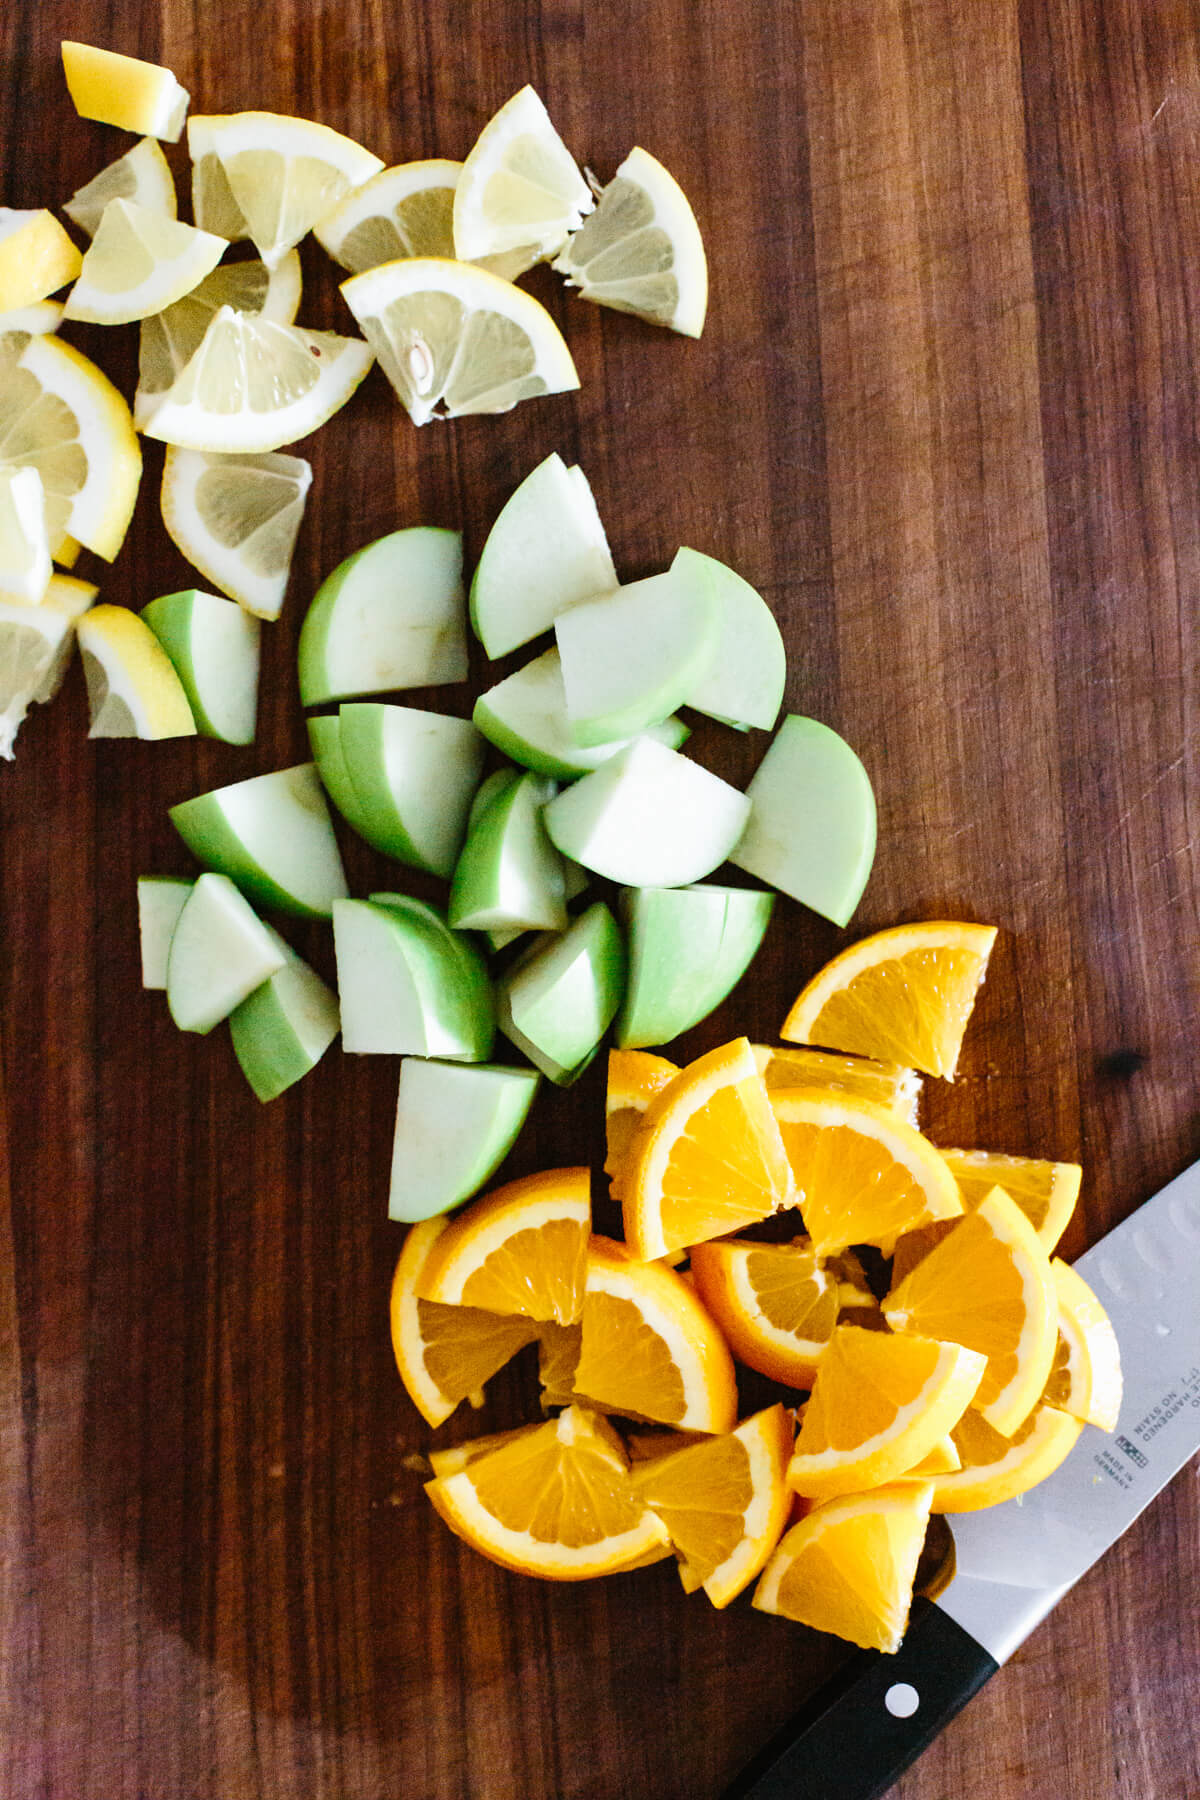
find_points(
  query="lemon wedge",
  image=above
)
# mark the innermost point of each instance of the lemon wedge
(520, 188)
(235, 518)
(31, 638)
(41, 318)
(169, 339)
(282, 174)
(404, 211)
(641, 251)
(139, 262)
(67, 595)
(36, 257)
(133, 690)
(254, 385)
(453, 339)
(122, 90)
(24, 547)
(141, 175)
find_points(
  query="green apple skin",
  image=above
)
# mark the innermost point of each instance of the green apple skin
(214, 647)
(743, 685)
(525, 717)
(160, 901)
(509, 874)
(414, 774)
(416, 989)
(272, 835)
(630, 657)
(688, 948)
(283, 1029)
(546, 550)
(556, 1003)
(811, 831)
(455, 1124)
(220, 952)
(648, 818)
(325, 741)
(391, 616)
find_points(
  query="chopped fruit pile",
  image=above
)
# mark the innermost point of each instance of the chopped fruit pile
(957, 1377)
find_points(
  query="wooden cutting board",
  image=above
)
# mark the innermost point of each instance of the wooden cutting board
(944, 417)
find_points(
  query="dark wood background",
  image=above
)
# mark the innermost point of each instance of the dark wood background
(944, 416)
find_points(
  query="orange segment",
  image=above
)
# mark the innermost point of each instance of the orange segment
(634, 1078)
(849, 1566)
(996, 1468)
(724, 1502)
(558, 1358)
(774, 1302)
(709, 1158)
(879, 1404)
(988, 1285)
(649, 1349)
(887, 1084)
(1046, 1192)
(1085, 1376)
(521, 1249)
(444, 1353)
(902, 996)
(862, 1175)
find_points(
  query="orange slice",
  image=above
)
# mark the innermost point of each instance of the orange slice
(444, 1353)
(879, 1404)
(862, 1175)
(649, 1349)
(902, 996)
(708, 1159)
(521, 1249)
(887, 1084)
(988, 1285)
(775, 1303)
(996, 1468)
(555, 1501)
(724, 1502)
(634, 1077)
(849, 1566)
(1085, 1376)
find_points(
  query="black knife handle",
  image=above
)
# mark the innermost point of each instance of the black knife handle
(858, 1734)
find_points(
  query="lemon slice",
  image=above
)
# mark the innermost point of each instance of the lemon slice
(121, 90)
(170, 339)
(24, 547)
(235, 518)
(139, 262)
(61, 416)
(453, 339)
(141, 175)
(31, 638)
(283, 174)
(41, 317)
(641, 251)
(254, 385)
(404, 211)
(133, 690)
(36, 257)
(520, 188)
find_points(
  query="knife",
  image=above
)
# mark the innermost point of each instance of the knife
(1015, 1561)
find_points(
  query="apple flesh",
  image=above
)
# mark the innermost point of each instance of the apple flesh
(214, 647)
(648, 818)
(455, 1124)
(272, 835)
(283, 1029)
(525, 717)
(408, 985)
(509, 875)
(546, 550)
(391, 616)
(688, 948)
(414, 774)
(220, 952)
(160, 902)
(744, 682)
(557, 1002)
(811, 831)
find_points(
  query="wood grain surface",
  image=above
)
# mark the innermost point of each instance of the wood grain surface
(944, 416)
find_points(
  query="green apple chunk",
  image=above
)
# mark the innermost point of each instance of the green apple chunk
(325, 740)
(811, 831)
(273, 836)
(630, 657)
(688, 948)
(509, 874)
(525, 717)
(489, 789)
(557, 1002)
(408, 985)
(214, 647)
(546, 550)
(283, 1029)
(160, 902)
(648, 818)
(220, 952)
(390, 616)
(414, 774)
(743, 685)
(455, 1124)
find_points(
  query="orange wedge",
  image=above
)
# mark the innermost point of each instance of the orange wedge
(649, 1349)
(775, 1303)
(887, 1084)
(988, 1285)
(708, 1159)
(521, 1249)
(849, 1566)
(902, 996)
(724, 1501)
(1085, 1376)
(1046, 1192)
(558, 1357)
(862, 1175)
(996, 1468)
(941, 1460)
(634, 1077)
(444, 1353)
(555, 1501)
(453, 1457)
(879, 1404)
